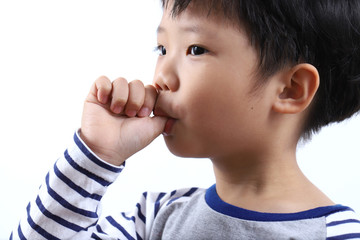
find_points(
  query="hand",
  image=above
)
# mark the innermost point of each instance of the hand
(115, 122)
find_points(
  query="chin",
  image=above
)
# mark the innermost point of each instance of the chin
(184, 150)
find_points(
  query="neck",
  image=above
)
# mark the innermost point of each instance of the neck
(268, 182)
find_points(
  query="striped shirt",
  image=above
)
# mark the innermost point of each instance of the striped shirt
(66, 207)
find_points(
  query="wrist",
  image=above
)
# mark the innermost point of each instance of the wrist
(105, 155)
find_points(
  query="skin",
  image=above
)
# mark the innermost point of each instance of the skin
(203, 99)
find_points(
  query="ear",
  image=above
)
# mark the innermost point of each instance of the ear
(297, 89)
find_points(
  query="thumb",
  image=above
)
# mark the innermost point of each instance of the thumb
(142, 131)
(157, 125)
(154, 127)
(145, 135)
(139, 133)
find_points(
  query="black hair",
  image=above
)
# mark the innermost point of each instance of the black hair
(324, 33)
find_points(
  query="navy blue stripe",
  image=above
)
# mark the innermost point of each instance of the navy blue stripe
(138, 236)
(119, 227)
(342, 222)
(172, 200)
(190, 192)
(94, 236)
(57, 219)
(157, 204)
(66, 204)
(75, 187)
(84, 171)
(94, 159)
(140, 215)
(345, 236)
(21, 235)
(132, 218)
(172, 193)
(187, 194)
(37, 228)
(98, 228)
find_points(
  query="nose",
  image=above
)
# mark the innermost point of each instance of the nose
(166, 75)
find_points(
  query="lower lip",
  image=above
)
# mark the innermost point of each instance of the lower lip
(169, 126)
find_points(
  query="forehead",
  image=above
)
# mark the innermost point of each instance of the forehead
(195, 19)
(200, 7)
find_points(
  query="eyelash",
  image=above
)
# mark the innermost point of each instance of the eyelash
(192, 48)
(161, 50)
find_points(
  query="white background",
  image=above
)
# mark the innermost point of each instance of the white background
(52, 51)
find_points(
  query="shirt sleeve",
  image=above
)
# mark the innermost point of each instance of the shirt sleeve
(343, 225)
(67, 204)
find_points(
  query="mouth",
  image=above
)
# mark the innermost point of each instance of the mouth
(169, 123)
(169, 126)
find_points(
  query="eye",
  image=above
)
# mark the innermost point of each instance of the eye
(161, 50)
(196, 50)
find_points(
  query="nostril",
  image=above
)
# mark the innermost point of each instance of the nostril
(157, 86)
(162, 87)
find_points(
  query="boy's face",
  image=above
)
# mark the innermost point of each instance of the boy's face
(205, 73)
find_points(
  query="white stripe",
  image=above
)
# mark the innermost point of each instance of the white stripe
(79, 178)
(57, 209)
(111, 230)
(48, 224)
(339, 216)
(343, 229)
(80, 158)
(69, 194)
(27, 231)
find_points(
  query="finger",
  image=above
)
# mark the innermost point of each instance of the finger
(101, 89)
(136, 98)
(149, 101)
(120, 94)
(158, 125)
(155, 127)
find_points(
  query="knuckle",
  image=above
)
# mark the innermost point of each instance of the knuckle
(137, 84)
(120, 81)
(102, 80)
(136, 91)
(151, 89)
(150, 97)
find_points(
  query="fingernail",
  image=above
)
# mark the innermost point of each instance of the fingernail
(102, 98)
(144, 112)
(117, 109)
(131, 113)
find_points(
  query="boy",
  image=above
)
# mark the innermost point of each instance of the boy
(239, 82)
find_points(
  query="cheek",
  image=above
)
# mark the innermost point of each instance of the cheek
(200, 104)
(213, 116)
(210, 114)
(195, 132)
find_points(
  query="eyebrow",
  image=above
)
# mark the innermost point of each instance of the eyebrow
(193, 29)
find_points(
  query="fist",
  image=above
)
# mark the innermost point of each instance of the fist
(116, 120)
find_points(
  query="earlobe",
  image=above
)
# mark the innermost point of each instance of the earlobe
(298, 88)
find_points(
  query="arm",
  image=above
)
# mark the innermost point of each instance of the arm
(68, 199)
(67, 203)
